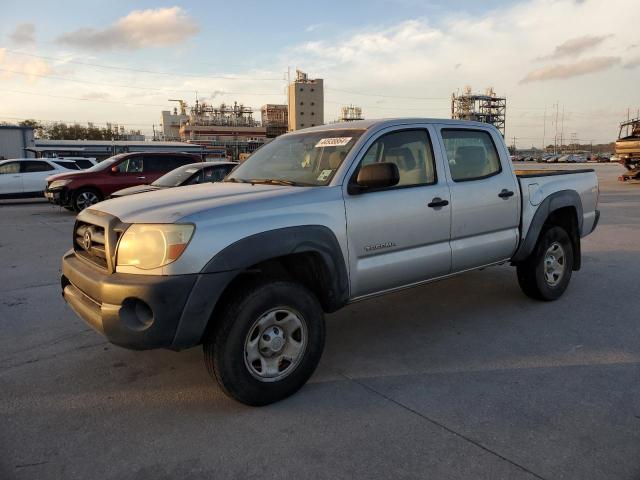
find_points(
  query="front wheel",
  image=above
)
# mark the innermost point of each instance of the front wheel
(546, 273)
(266, 343)
(84, 198)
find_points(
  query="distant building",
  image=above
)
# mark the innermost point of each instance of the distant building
(14, 140)
(306, 102)
(170, 124)
(478, 107)
(350, 113)
(275, 118)
(225, 130)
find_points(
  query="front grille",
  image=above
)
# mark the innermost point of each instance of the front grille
(90, 243)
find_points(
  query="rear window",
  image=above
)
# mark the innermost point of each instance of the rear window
(69, 165)
(84, 163)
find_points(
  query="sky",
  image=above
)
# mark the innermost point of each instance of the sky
(121, 61)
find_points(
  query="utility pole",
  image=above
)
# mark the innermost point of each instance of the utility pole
(555, 138)
(562, 129)
(544, 128)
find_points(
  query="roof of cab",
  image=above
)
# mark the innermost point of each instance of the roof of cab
(388, 122)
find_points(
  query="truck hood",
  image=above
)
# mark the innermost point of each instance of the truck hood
(185, 203)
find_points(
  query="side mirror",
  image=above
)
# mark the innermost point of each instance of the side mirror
(375, 175)
(115, 169)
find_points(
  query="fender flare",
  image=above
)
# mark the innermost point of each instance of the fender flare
(236, 258)
(285, 241)
(555, 201)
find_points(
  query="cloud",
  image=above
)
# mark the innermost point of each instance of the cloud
(576, 46)
(633, 63)
(24, 34)
(583, 67)
(139, 29)
(31, 68)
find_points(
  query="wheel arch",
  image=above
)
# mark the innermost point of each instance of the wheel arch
(563, 209)
(309, 254)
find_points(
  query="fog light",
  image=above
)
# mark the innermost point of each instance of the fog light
(136, 314)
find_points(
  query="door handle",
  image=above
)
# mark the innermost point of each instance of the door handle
(505, 193)
(438, 202)
(141, 178)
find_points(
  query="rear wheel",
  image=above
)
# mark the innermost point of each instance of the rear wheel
(84, 198)
(266, 343)
(546, 273)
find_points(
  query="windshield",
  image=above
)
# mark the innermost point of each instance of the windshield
(301, 159)
(103, 165)
(176, 177)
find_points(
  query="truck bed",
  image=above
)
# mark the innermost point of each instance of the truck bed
(548, 172)
(538, 184)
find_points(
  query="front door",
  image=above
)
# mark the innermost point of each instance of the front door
(394, 237)
(485, 197)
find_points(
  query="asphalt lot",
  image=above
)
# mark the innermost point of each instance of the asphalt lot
(465, 378)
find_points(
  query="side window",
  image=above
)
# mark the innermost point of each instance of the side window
(196, 178)
(12, 167)
(411, 151)
(157, 163)
(131, 165)
(472, 155)
(217, 174)
(28, 167)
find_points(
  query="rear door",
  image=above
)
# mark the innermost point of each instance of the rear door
(34, 175)
(484, 196)
(157, 165)
(394, 237)
(10, 179)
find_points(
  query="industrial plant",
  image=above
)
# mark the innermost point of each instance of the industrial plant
(478, 107)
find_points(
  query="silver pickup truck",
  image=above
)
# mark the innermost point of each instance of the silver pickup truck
(311, 222)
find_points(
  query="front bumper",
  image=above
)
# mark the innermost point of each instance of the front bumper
(58, 196)
(142, 311)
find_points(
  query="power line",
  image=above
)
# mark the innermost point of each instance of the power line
(386, 96)
(139, 70)
(90, 82)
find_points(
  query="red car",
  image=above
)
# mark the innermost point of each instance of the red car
(79, 190)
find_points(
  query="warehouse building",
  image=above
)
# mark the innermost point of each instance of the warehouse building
(14, 141)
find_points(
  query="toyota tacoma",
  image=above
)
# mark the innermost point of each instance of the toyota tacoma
(313, 221)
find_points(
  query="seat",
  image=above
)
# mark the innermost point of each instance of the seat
(411, 171)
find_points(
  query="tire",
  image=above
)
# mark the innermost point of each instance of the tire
(243, 354)
(85, 197)
(546, 273)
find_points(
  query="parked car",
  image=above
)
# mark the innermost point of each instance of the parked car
(82, 189)
(311, 222)
(190, 174)
(27, 177)
(82, 163)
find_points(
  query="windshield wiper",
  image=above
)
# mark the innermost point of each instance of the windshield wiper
(236, 180)
(277, 181)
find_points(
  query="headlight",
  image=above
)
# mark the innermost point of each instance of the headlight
(148, 246)
(58, 183)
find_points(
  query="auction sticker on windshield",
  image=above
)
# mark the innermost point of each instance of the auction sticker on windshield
(333, 142)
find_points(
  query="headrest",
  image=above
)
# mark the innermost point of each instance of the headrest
(404, 157)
